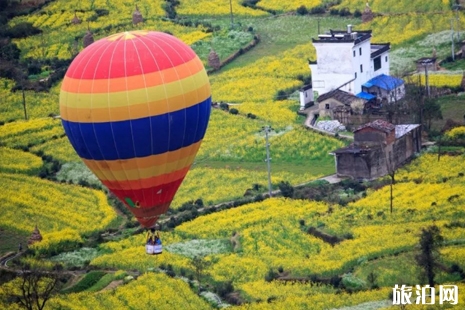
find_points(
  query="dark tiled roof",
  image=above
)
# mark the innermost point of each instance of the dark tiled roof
(378, 124)
(379, 48)
(306, 87)
(339, 95)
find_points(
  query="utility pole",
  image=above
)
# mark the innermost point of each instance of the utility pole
(426, 79)
(231, 12)
(267, 130)
(452, 38)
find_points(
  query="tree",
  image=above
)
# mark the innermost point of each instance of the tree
(36, 286)
(431, 111)
(286, 189)
(427, 258)
(200, 265)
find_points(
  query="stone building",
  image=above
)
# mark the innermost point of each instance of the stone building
(378, 148)
(338, 101)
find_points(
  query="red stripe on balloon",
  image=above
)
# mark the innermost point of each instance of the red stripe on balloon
(151, 197)
(115, 59)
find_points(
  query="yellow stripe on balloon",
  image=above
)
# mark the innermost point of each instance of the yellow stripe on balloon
(72, 85)
(133, 97)
(127, 35)
(134, 111)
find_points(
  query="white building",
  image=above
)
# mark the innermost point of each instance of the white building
(346, 60)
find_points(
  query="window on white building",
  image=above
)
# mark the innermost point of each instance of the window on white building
(355, 74)
(361, 68)
(377, 63)
(360, 51)
(354, 53)
(327, 106)
(386, 58)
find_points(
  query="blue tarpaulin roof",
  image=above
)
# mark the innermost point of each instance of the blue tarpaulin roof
(365, 95)
(384, 81)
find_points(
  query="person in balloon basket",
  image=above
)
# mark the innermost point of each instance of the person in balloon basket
(153, 242)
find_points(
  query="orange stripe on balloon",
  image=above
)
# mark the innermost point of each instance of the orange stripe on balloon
(143, 173)
(74, 85)
(154, 108)
(147, 183)
(142, 162)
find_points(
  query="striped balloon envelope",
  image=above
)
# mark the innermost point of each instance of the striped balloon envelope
(135, 107)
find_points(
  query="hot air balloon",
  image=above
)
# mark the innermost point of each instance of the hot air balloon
(135, 107)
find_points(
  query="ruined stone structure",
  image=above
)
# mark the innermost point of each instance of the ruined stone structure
(214, 60)
(137, 17)
(379, 147)
(88, 39)
(75, 19)
(35, 237)
(367, 14)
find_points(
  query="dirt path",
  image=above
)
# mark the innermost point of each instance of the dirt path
(112, 285)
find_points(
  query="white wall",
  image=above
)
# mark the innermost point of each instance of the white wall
(306, 96)
(365, 61)
(334, 66)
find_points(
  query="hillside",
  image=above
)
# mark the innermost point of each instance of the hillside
(323, 246)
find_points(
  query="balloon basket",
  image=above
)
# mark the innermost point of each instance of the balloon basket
(153, 249)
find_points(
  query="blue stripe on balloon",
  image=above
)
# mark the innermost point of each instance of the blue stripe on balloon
(139, 137)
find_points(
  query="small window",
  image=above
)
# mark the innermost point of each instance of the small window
(355, 74)
(361, 68)
(360, 51)
(305, 94)
(354, 53)
(327, 106)
(386, 58)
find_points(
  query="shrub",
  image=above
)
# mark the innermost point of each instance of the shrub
(102, 12)
(286, 189)
(234, 111)
(318, 10)
(224, 288)
(224, 106)
(23, 30)
(344, 12)
(302, 10)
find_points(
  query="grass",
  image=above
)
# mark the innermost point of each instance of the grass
(11, 239)
(315, 167)
(398, 269)
(452, 107)
(86, 282)
(458, 64)
(278, 34)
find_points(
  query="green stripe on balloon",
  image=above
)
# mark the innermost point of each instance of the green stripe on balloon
(130, 203)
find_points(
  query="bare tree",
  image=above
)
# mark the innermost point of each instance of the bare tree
(37, 286)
